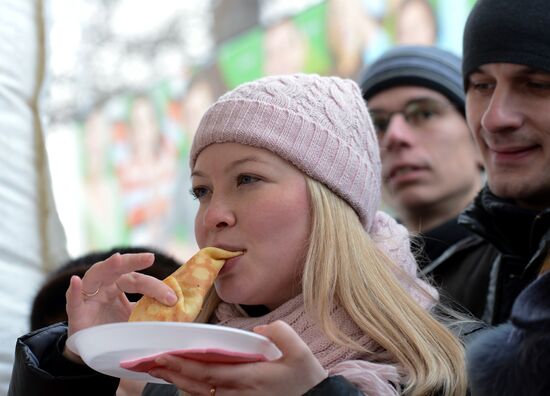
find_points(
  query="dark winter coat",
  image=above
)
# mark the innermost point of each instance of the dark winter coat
(485, 272)
(514, 358)
(450, 257)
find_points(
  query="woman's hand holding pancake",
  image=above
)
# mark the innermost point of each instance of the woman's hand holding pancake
(98, 297)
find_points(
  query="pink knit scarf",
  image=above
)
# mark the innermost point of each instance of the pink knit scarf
(372, 378)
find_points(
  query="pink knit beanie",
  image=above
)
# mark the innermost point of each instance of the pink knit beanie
(321, 125)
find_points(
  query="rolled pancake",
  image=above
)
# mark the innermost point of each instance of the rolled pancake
(191, 282)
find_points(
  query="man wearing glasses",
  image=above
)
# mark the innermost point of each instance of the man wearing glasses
(431, 167)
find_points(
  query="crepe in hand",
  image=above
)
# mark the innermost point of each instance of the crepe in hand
(191, 282)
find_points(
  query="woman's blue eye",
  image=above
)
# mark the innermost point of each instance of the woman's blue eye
(246, 179)
(198, 192)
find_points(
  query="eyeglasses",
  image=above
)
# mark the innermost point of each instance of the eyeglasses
(416, 112)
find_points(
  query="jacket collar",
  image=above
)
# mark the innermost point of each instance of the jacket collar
(511, 229)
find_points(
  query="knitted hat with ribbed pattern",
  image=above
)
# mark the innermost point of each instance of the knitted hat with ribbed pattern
(511, 31)
(319, 124)
(419, 66)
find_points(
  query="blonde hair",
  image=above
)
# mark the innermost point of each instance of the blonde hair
(361, 278)
(343, 266)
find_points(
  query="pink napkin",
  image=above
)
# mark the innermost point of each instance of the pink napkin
(211, 355)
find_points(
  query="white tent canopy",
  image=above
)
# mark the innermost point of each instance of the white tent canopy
(32, 241)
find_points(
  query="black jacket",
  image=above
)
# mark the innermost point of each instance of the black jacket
(41, 370)
(486, 271)
(434, 242)
(451, 256)
(513, 358)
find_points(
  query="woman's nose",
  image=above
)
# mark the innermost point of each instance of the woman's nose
(219, 214)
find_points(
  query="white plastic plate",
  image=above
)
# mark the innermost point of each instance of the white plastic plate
(105, 347)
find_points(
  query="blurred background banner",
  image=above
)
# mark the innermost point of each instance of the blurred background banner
(130, 81)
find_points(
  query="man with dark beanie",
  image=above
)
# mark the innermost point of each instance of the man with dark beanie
(430, 165)
(506, 72)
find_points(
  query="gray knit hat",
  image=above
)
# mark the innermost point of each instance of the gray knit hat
(424, 66)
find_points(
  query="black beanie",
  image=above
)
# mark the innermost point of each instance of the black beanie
(507, 31)
(424, 66)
